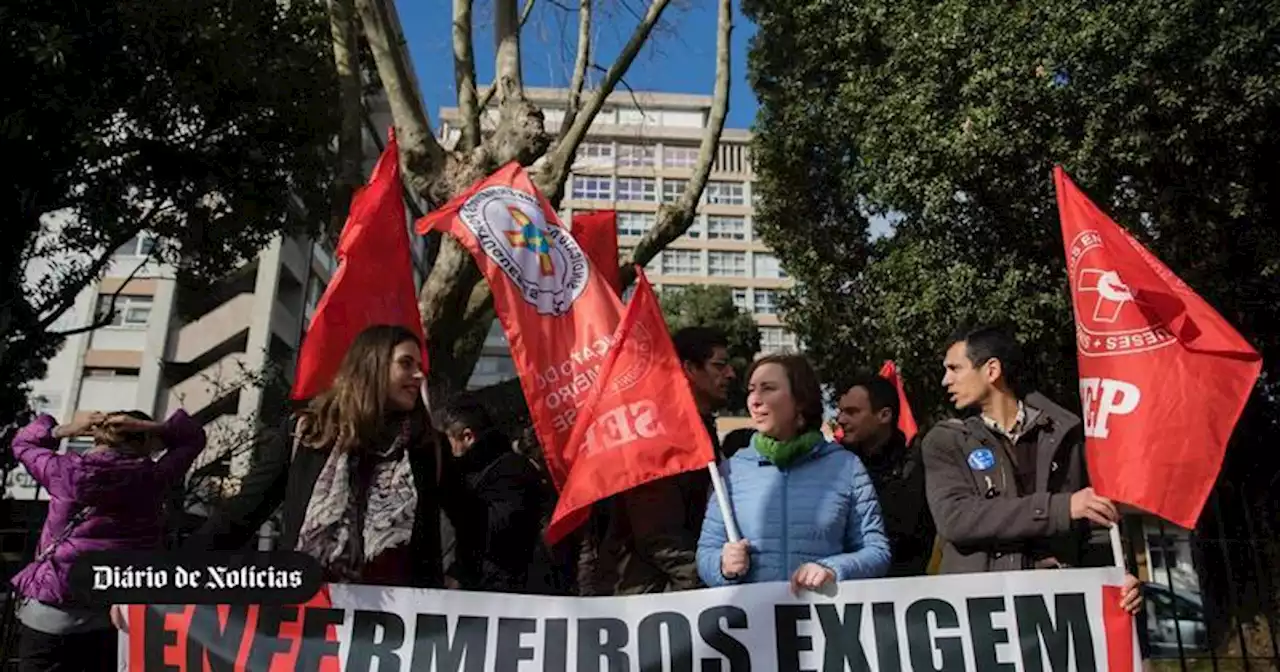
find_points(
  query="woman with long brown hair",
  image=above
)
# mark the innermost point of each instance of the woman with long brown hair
(357, 477)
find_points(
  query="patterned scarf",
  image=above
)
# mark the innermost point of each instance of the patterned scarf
(343, 532)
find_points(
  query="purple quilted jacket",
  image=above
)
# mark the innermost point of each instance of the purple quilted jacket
(125, 492)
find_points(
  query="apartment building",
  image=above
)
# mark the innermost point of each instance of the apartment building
(201, 347)
(640, 153)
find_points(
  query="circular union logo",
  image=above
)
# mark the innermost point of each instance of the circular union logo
(544, 262)
(1109, 318)
(638, 351)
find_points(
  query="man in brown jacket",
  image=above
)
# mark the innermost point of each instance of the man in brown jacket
(1008, 487)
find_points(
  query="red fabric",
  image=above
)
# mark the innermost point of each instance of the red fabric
(597, 233)
(556, 308)
(1163, 378)
(176, 654)
(374, 282)
(640, 425)
(906, 419)
(1118, 628)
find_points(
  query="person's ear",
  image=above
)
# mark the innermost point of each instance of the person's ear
(993, 369)
(468, 436)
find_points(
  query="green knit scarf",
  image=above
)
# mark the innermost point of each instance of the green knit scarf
(782, 453)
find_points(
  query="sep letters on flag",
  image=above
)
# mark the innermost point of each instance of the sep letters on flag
(1033, 620)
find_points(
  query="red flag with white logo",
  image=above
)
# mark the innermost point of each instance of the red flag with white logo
(640, 422)
(597, 233)
(906, 419)
(1163, 378)
(374, 282)
(556, 309)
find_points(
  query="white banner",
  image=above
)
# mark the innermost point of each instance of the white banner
(1036, 620)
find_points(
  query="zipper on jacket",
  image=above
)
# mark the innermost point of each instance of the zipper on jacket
(786, 504)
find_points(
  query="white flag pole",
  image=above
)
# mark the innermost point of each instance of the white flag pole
(722, 498)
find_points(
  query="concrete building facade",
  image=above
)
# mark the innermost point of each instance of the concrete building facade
(640, 153)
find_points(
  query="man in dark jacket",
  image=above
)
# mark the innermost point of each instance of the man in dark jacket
(494, 498)
(868, 414)
(656, 525)
(1008, 486)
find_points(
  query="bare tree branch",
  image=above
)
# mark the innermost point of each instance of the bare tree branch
(551, 180)
(65, 297)
(464, 75)
(488, 93)
(506, 34)
(674, 220)
(579, 66)
(421, 154)
(104, 319)
(346, 58)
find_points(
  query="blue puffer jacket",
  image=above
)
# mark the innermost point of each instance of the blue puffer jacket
(822, 508)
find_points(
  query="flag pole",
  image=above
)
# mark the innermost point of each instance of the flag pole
(1117, 551)
(439, 450)
(722, 498)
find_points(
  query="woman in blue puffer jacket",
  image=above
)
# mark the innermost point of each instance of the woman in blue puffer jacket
(806, 508)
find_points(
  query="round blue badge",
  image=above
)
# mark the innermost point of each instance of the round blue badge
(982, 459)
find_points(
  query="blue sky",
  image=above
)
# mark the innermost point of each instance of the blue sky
(679, 58)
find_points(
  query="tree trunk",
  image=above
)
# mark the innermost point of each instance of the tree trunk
(456, 306)
(342, 28)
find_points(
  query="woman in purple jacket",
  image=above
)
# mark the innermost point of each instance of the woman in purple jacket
(108, 498)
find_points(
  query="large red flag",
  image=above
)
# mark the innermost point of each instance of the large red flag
(640, 422)
(374, 282)
(906, 419)
(557, 310)
(597, 233)
(1163, 378)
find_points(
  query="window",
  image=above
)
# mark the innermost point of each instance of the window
(675, 156)
(637, 189)
(726, 228)
(773, 339)
(634, 224)
(130, 311)
(635, 156)
(767, 266)
(740, 298)
(635, 117)
(655, 264)
(727, 264)
(138, 246)
(592, 188)
(595, 154)
(682, 262)
(672, 190)
(726, 193)
(766, 302)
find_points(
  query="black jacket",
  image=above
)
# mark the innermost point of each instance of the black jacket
(277, 479)
(495, 500)
(898, 474)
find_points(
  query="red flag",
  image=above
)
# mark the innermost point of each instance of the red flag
(1163, 378)
(906, 419)
(556, 309)
(374, 282)
(597, 233)
(639, 424)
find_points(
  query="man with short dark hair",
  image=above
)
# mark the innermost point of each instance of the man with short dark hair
(494, 498)
(868, 415)
(656, 525)
(1008, 486)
